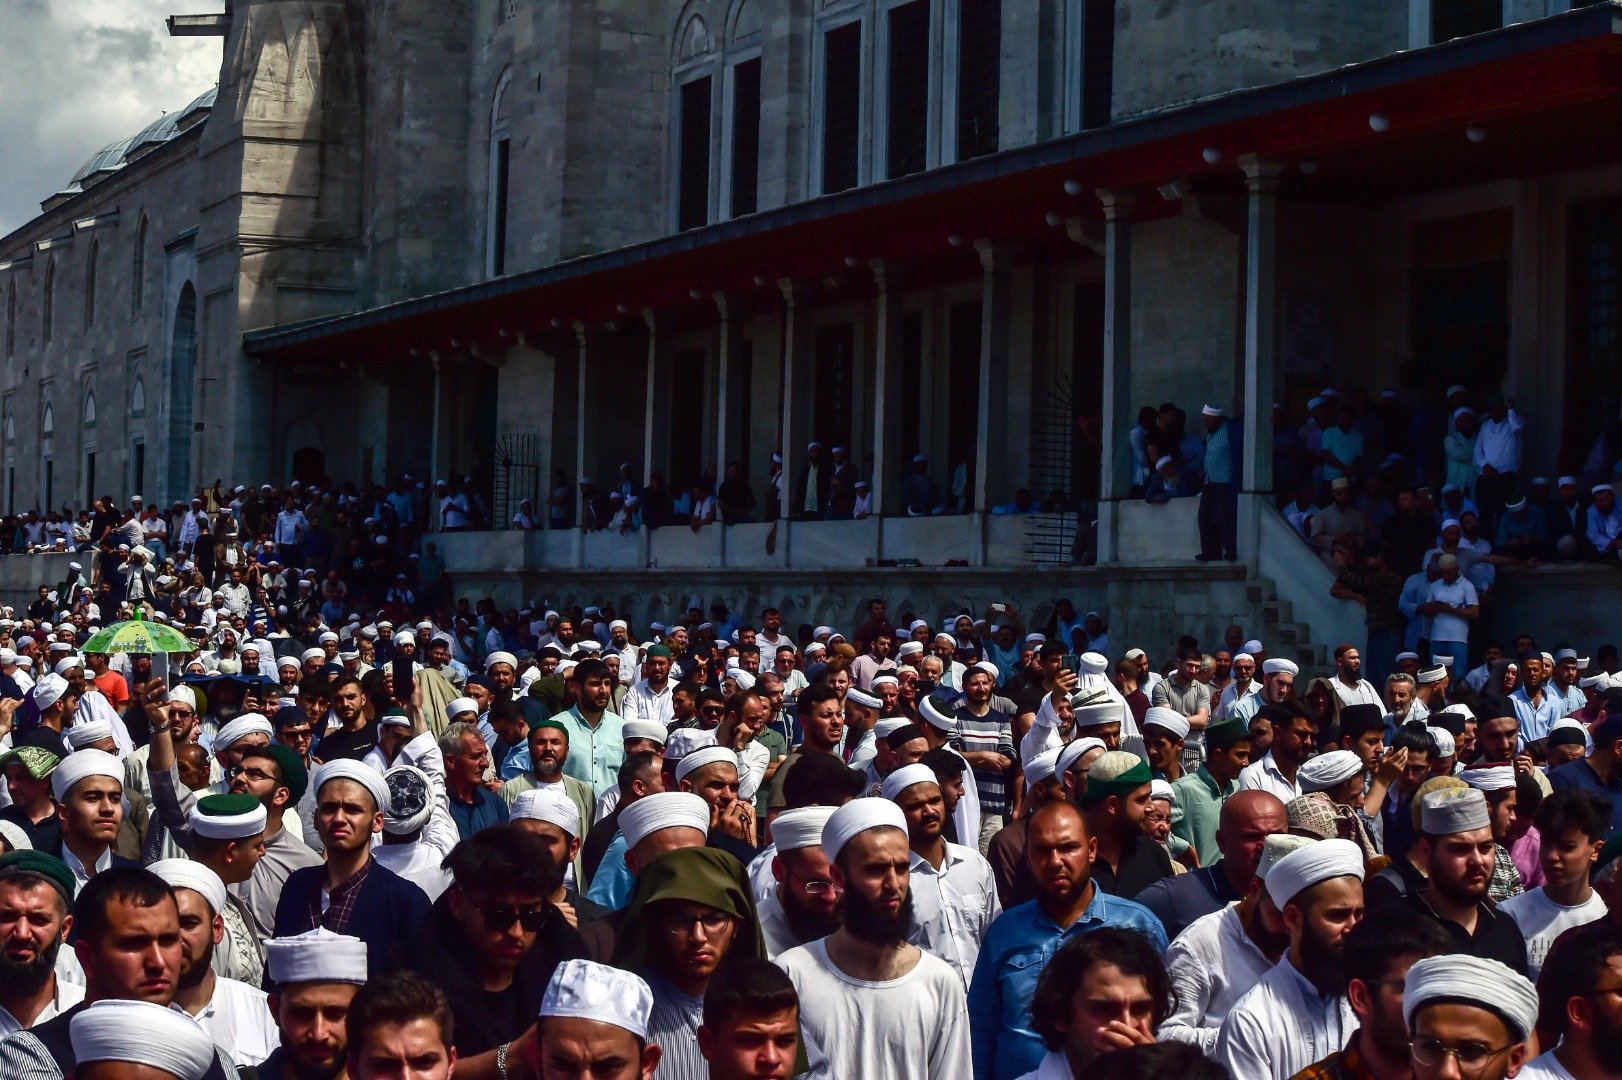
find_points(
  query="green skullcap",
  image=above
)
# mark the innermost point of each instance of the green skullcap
(1223, 735)
(38, 864)
(1117, 773)
(658, 650)
(295, 777)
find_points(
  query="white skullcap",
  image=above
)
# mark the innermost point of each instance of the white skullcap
(581, 989)
(1212, 410)
(13, 834)
(1254, 646)
(1475, 981)
(500, 656)
(987, 667)
(1319, 861)
(906, 776)
(1435, 673)
(664, 810)
(858, 816)
(1243, 656)
(82, 764)
(312, 654)
(1073, 751)
(1275, 847)
(80, 736)
(619, 624)
(746, 680)
(226, 826)
(1170, 719)
(286, 662)
(1443, 738)
(1278, 664)
(886, 679)
(550, 805)
(905, 649)
(644, 729)
(683, 741)
(457, 706)
(183, 695)
(189, 874)
(889, 726)
(1490, 777)
(142, 1033)
(863, 698)
(1161, 789)
(318, 955)
(240, 728)
(1453, 810)
(68, 663)
(1458, 709)
(1042, 767)
(800, 828)
(708, 755)
(358, 771)
(1094, 663)
(1326, 770)
(933, 715)
(49, 690)
(1100, 709)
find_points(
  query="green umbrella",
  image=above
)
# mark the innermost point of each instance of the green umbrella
(139, 636)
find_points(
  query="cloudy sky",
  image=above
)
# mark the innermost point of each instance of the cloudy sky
(79, 74)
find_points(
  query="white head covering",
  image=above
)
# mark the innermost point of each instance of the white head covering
(744, 679)
(1487, 983)
(49, 690)
(82, 735)
(1094, 663)
(1276, 664)
(82, 764)
(800, 828)
(68, 663)
(588, 991)
(1275, 847)
(858, 816)
(934, 716)
(1443, 738)
(240, 728)
(1042, 767)
(1453, 810)
(411, 800)
(645, 729)
(1072, 752)
(1305, 867)
(889, 726)
(318, 955)
(501, 656)
(1326, 770)
(1169, 719)
(457, 706)
(313, 654)
(14, 835)
(683, 741)
(142, 1033)
(358, 771)
(183, 695)
(1489, 777)
(550, 805)
(665, 810)
(906, 776)
(189, 874)
(226, 826)
(708, 755)
(1161, 789)
(863, 698)
(1098, 710)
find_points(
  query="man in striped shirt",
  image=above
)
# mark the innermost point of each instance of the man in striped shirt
(985, 737)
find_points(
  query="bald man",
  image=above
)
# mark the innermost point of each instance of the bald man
(1248, 818)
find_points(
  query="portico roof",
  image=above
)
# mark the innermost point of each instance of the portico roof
(1535, 98)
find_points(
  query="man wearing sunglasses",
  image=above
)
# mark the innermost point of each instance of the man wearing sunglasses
(1469, 1017)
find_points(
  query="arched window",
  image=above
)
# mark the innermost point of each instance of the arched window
(138, 398)
(138, 271)
(11, 429)
(693, 101)
(740, 112)
(11, 318)
(47, 422)
(500, 173)
(47, 303)
(90, 409)
(90, 285)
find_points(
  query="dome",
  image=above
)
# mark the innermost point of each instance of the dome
(116, 155)
(106, 159)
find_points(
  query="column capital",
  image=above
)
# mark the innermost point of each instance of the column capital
(1261, 174)
(795, 293)
(1117, 202)
(888, 274)
(650, 319)
(997, 256)
(729, 305)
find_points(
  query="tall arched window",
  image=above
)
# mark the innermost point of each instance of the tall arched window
(500, 172)
(90, 285)
(138, 271)
(47, 422)
(47, 303)
(11, 429)
(90, 409)
(693, 101)
(740, 112)
(138, 399)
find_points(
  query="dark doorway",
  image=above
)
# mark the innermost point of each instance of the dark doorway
(833, 374)
(309, 465)
(1593, 291)
(686, 405)
(963, 394)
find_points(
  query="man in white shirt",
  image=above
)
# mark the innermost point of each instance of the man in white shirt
(771, 637)
(291, 525)
(1349, 684)
(1497, 457)
(1452, 604)
(1240, 687)
(649, 698)
(1572, 824)
(1580, 1006)
(34, 892)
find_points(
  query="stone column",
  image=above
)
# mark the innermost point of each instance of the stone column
(656, 406)
(887, 388)
(997, 264)
(796, 392)
(583, 354)
(433, 445)
(1115, 453)
(728, 341)
(1261, 303)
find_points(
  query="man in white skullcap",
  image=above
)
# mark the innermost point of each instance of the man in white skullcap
(1165, 731)
(878, 1006)
(555, 818)
(235, 1014)
(92, 703)
(88, 787)
(649, 827)
(954, 892)
(594, 1022)
(801, 905)
(1218, 957)
(111, 1037)
(1470, 1016)
(1297, 1013)
(711, 772)
(418, 832)
(316, 976)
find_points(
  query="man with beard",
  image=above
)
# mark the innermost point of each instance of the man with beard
(1581, 1009)
(1248, 819)
(1295, 738)
(1103, 991)
(1348, 683)
(803, 905)
(1379, 952)
(1278, 686)
(880, 1006)
(235, 1015)
(35, 894)
(1297, 1013)
(1125, 859)
(1469, 1017)
(548, 749)
(1456, 843)
(822, 719)
(1068, 903)
(316, 976)
(356, 733)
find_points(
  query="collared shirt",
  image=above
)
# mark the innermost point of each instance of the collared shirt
(595, 753)
(1498, 442)
(643, 702)
(65, 997)
(334, 908)
(1265, 775)
(1281, 1026)
(1218, 456)
(1212, 964)
(284, 853)
(238, 1020)
(1347, 1064)
(82, 876)
(953, 906)
(1536, 717)
(991, 733)
(486, 810)
(1012, 956)
(1496, 936)
(1580, 774)
(1200, 799)
(1183, 698)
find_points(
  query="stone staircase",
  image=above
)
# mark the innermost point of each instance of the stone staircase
(1278, 630)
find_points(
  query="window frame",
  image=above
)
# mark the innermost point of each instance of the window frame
(938, 104)
(731, 59)
(824, 23)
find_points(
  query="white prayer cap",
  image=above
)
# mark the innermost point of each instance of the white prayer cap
(1490, 778)
(1072, 752)
(49, 690)
(240, 728)
(1597, 488)
(1254, 646)
(1433, 674)
(822, 631)
(1243, 656)
(1096, 709)
(905, 649)
(82, 764)
(1165, 459)
(312, 654)
(1458, 709)
(227, 817)
(1275, 847)
(887, 679)
(800, 828)
(328, 636)
(1453, 810)
(1212, 410)
(1094, 663)
(550, 805)
(1278, 665)
(619, 624)
(1475, 981)
(581, 989)
(683, 741)
(708, 755)
(68, 663)
(457, 706)
(286, 662)
(500, 656)
(906, 776)
(1454, 389)
(644, 729)
(664, 810)
(183, 695)
(13, 834)
(746, 680)
(936, 716)
(411, 800)
(1326, 770)
(1595, 680)
(1305, 867)
(1160, 789)
(1169, 719)
(193, 875)
(986, 667)
(864, 699)
(587, 646)
(142, 1033)
(80, 736)
(890, 725)
(358, 771)
(1400, 657)
(316, 956)
(860, 815)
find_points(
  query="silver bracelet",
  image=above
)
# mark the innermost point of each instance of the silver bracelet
(501, 1059)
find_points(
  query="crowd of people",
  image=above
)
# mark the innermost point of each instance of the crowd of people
(358, 831)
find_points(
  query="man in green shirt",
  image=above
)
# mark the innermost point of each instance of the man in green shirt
(1200, 794)
(596, 736)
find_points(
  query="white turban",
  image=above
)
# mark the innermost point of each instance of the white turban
(800, 828)
(645, 729)
(1443, 738)
(411, 800)
(858, 816)
(82, 735)
(1300, 870)
(581, 989)
(189, 874)
(457, 706)
(550, 805)
(708, 755)
(286, 662)
(1453, 810)
(361, 773)
(683, 741)
(891, 680)
(889, 726)
(1169, 719)
(931, 713)
(68, 663)
(313, 654)
(500, 657)
(1094, 663)
(1042, 767)
(1475, 981)
(1097, 711)
(1275, 847)
(82, 764)
(906, 776)
(13, 834)
(665, 810)
(1489, 777)
(1327, 770)
(1278, 665)
(184, 695)
(327, 636)
(240, 728)
(1161, 789)
(1072, 752)
(142, 1033)
(317, 955)
(988, 668)
(863, 698)
(49, 690)
(742, 678)
(215, 826)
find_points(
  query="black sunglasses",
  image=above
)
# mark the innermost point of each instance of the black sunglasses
(500, 917)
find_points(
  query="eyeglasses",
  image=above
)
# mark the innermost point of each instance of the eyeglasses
(1471, 1056)
(712, 921)
(822, 889)
(501, 917)
(251, 774)
(713, 710)
(297, 733)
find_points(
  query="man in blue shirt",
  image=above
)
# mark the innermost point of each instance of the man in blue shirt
(1601, 771)
(473, 805)
(1219, 521)
(1018, 945)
